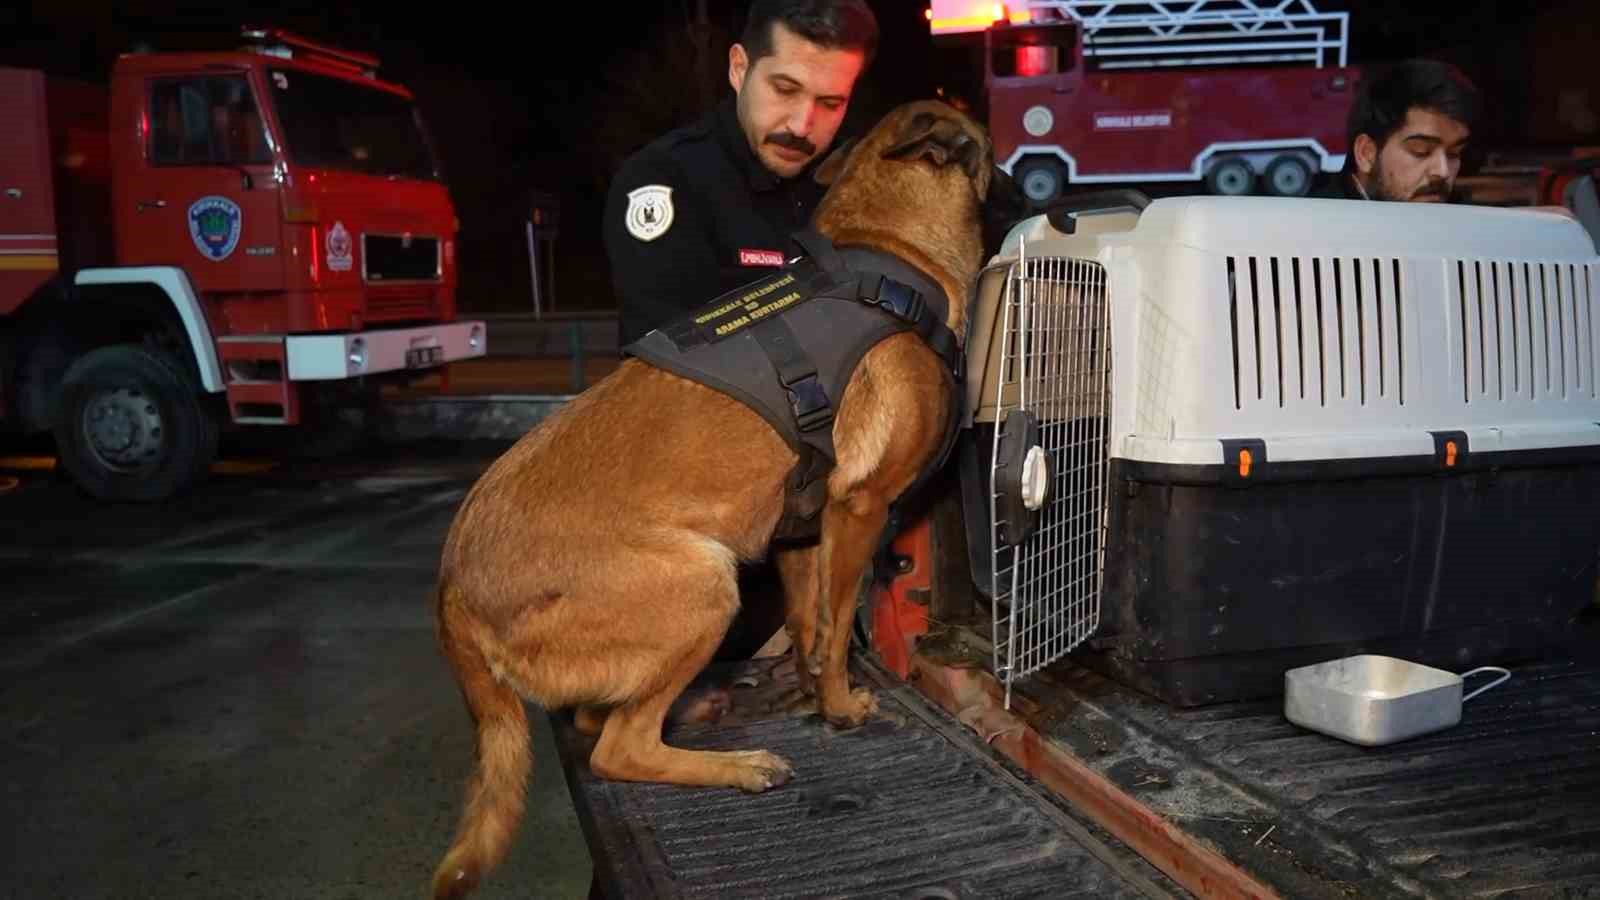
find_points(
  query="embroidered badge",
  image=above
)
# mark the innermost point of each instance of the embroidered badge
(340, 256)
(649, 211)
(214, 226)
(761, 258)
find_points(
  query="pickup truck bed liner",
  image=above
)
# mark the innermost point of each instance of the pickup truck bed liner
(909, 805)
(1507, 803)
(914, 804)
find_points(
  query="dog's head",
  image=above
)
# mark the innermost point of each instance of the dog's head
(951, 151)
(914, 186)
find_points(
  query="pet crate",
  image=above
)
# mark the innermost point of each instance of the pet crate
(1218, 438)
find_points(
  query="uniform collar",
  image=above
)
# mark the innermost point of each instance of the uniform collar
(757, 176)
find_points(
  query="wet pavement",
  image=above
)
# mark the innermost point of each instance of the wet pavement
(237, 694)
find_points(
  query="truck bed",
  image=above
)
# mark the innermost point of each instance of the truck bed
(1507, 803)
(909, 805)
(916, 804)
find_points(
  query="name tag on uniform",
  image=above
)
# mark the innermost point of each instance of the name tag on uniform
(761, 258)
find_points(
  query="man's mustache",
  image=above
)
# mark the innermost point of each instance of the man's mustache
(1433, 189)
(792, 142)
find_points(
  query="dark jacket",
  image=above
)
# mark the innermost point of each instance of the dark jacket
(1342, 187)
(694, 215)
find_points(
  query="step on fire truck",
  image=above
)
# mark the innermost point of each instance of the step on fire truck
(260, 236)
(1244, 96)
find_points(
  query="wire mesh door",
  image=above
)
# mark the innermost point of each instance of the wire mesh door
(1048, 496)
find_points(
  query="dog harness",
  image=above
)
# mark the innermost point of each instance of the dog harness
(786, 346)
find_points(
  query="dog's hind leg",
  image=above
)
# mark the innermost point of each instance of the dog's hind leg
(850, 528)
(630, 746)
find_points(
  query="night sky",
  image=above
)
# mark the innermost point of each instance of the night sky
(555, 102)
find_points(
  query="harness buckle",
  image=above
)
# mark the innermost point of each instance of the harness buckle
(901, 300)
(809, 402)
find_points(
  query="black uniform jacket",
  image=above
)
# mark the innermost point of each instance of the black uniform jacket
(695, 214)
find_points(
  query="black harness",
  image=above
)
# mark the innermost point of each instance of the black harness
(786, 346)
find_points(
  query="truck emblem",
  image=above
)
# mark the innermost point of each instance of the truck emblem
(214, 224)
(649, 211)
(339, 248)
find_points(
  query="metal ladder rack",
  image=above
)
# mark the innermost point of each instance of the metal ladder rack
(1119, 34)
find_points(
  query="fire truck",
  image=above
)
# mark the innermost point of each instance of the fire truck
(1240, 96)
(255, 236)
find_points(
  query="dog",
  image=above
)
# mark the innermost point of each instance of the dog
(593, 565)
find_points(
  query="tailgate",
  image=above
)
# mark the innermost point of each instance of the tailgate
(909, 805)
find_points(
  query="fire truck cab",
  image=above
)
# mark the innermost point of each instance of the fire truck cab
(256, 236)
(1241, 96)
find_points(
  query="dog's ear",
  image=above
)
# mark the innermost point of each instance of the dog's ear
(828, 172)
(941, 141)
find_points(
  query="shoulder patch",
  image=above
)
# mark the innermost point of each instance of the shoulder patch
(649, 211)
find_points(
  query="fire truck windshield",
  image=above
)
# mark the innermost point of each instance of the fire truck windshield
(337, 124)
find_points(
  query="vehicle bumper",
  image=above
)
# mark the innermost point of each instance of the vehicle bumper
(327, 357)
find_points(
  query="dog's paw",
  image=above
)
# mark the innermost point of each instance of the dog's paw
(761, 771)
(855, 709)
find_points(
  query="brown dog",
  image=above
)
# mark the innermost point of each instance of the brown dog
(594, 564)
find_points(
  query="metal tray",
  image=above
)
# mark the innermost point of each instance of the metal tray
(1373, 700)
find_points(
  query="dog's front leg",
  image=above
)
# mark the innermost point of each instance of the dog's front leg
(850, 527)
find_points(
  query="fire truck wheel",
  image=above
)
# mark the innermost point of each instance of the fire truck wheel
(1288, 176)
(1041, 178)
(1231, 176)
(132, 426)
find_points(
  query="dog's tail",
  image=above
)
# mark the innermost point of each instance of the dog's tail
(496, 792)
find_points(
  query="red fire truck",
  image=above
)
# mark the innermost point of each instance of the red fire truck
(1244, 96)
(259, 236)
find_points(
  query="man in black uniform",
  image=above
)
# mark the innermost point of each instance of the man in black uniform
(709, 207)
(1407, 130)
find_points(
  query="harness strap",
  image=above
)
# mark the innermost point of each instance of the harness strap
(813, 415)
(819, 249)
(906, 303)
(894, 296)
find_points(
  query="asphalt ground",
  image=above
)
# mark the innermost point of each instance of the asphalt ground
(237, 693)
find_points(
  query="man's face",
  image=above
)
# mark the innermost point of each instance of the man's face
(792, 101)
(1418, 163)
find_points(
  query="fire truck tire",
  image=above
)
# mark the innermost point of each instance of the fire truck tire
(1231, 176)
(1288, 176)
(1040, 178)
(132, 426)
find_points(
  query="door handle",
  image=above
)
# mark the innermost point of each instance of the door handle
(14, 193)
(151, 204)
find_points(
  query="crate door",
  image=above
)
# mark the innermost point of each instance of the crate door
(1048, 478)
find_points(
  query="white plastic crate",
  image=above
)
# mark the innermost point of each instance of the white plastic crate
(1338, 329)
(1317, 331)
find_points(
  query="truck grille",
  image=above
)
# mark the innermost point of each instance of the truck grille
(398, 302)
(391, 257)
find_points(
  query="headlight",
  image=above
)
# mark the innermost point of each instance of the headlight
(358, 354)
